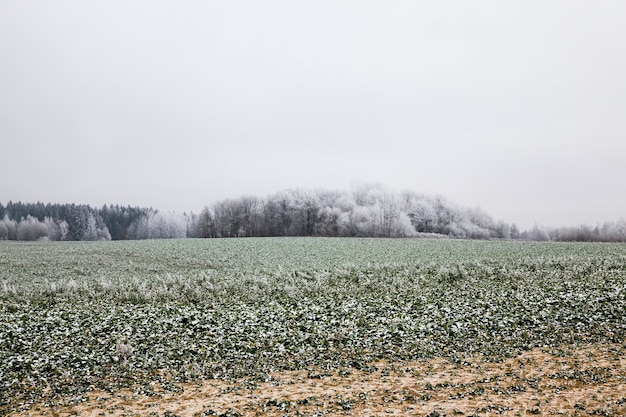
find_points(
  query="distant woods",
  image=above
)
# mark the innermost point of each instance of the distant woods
(367, 210)
(372, 210)
(19, 221)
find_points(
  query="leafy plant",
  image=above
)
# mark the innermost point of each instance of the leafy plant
(79, 316)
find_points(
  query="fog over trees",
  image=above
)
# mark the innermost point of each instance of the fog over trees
(366, 210)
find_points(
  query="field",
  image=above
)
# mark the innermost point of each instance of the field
(312, 326)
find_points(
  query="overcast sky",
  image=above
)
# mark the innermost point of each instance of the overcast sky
(518, 107)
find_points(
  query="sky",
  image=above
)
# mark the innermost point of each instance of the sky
(518, 107)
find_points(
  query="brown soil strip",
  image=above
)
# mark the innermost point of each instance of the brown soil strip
(571, 381)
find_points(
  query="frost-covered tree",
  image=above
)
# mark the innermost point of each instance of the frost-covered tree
(54, 231)
(228, 216)
(160, 225)
(303, 209)
(421, 211)
(4, 232)
(515, 232)
(90, 231)
(64, 230)
(608, 232)
(31, 229)
(503, 230)
(94, 229)
(538, 233)
(366, 210)
(10, 226)
(614, 231)
(204, 226)
(329, 222)
(392, 221)
(360, 221)
(277, 214)
(364, 194)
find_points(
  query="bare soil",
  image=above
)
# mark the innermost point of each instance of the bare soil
(570, 381)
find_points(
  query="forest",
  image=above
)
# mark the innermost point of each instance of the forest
(366, 210)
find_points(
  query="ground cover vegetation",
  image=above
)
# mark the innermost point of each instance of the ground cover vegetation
(82, 316)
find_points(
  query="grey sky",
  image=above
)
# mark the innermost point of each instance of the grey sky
(515, 106)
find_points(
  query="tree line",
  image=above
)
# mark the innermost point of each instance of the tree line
(38, 221)
(366, 210)
(607, 232)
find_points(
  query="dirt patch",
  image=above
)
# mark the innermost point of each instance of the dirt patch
(589, 380)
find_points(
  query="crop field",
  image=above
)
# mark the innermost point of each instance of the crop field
(312, 326)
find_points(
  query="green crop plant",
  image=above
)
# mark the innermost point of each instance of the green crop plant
(75, 316)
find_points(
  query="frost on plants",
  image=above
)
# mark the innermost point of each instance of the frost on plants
(103, 315)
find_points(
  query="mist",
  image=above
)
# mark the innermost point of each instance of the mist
(516, 108)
